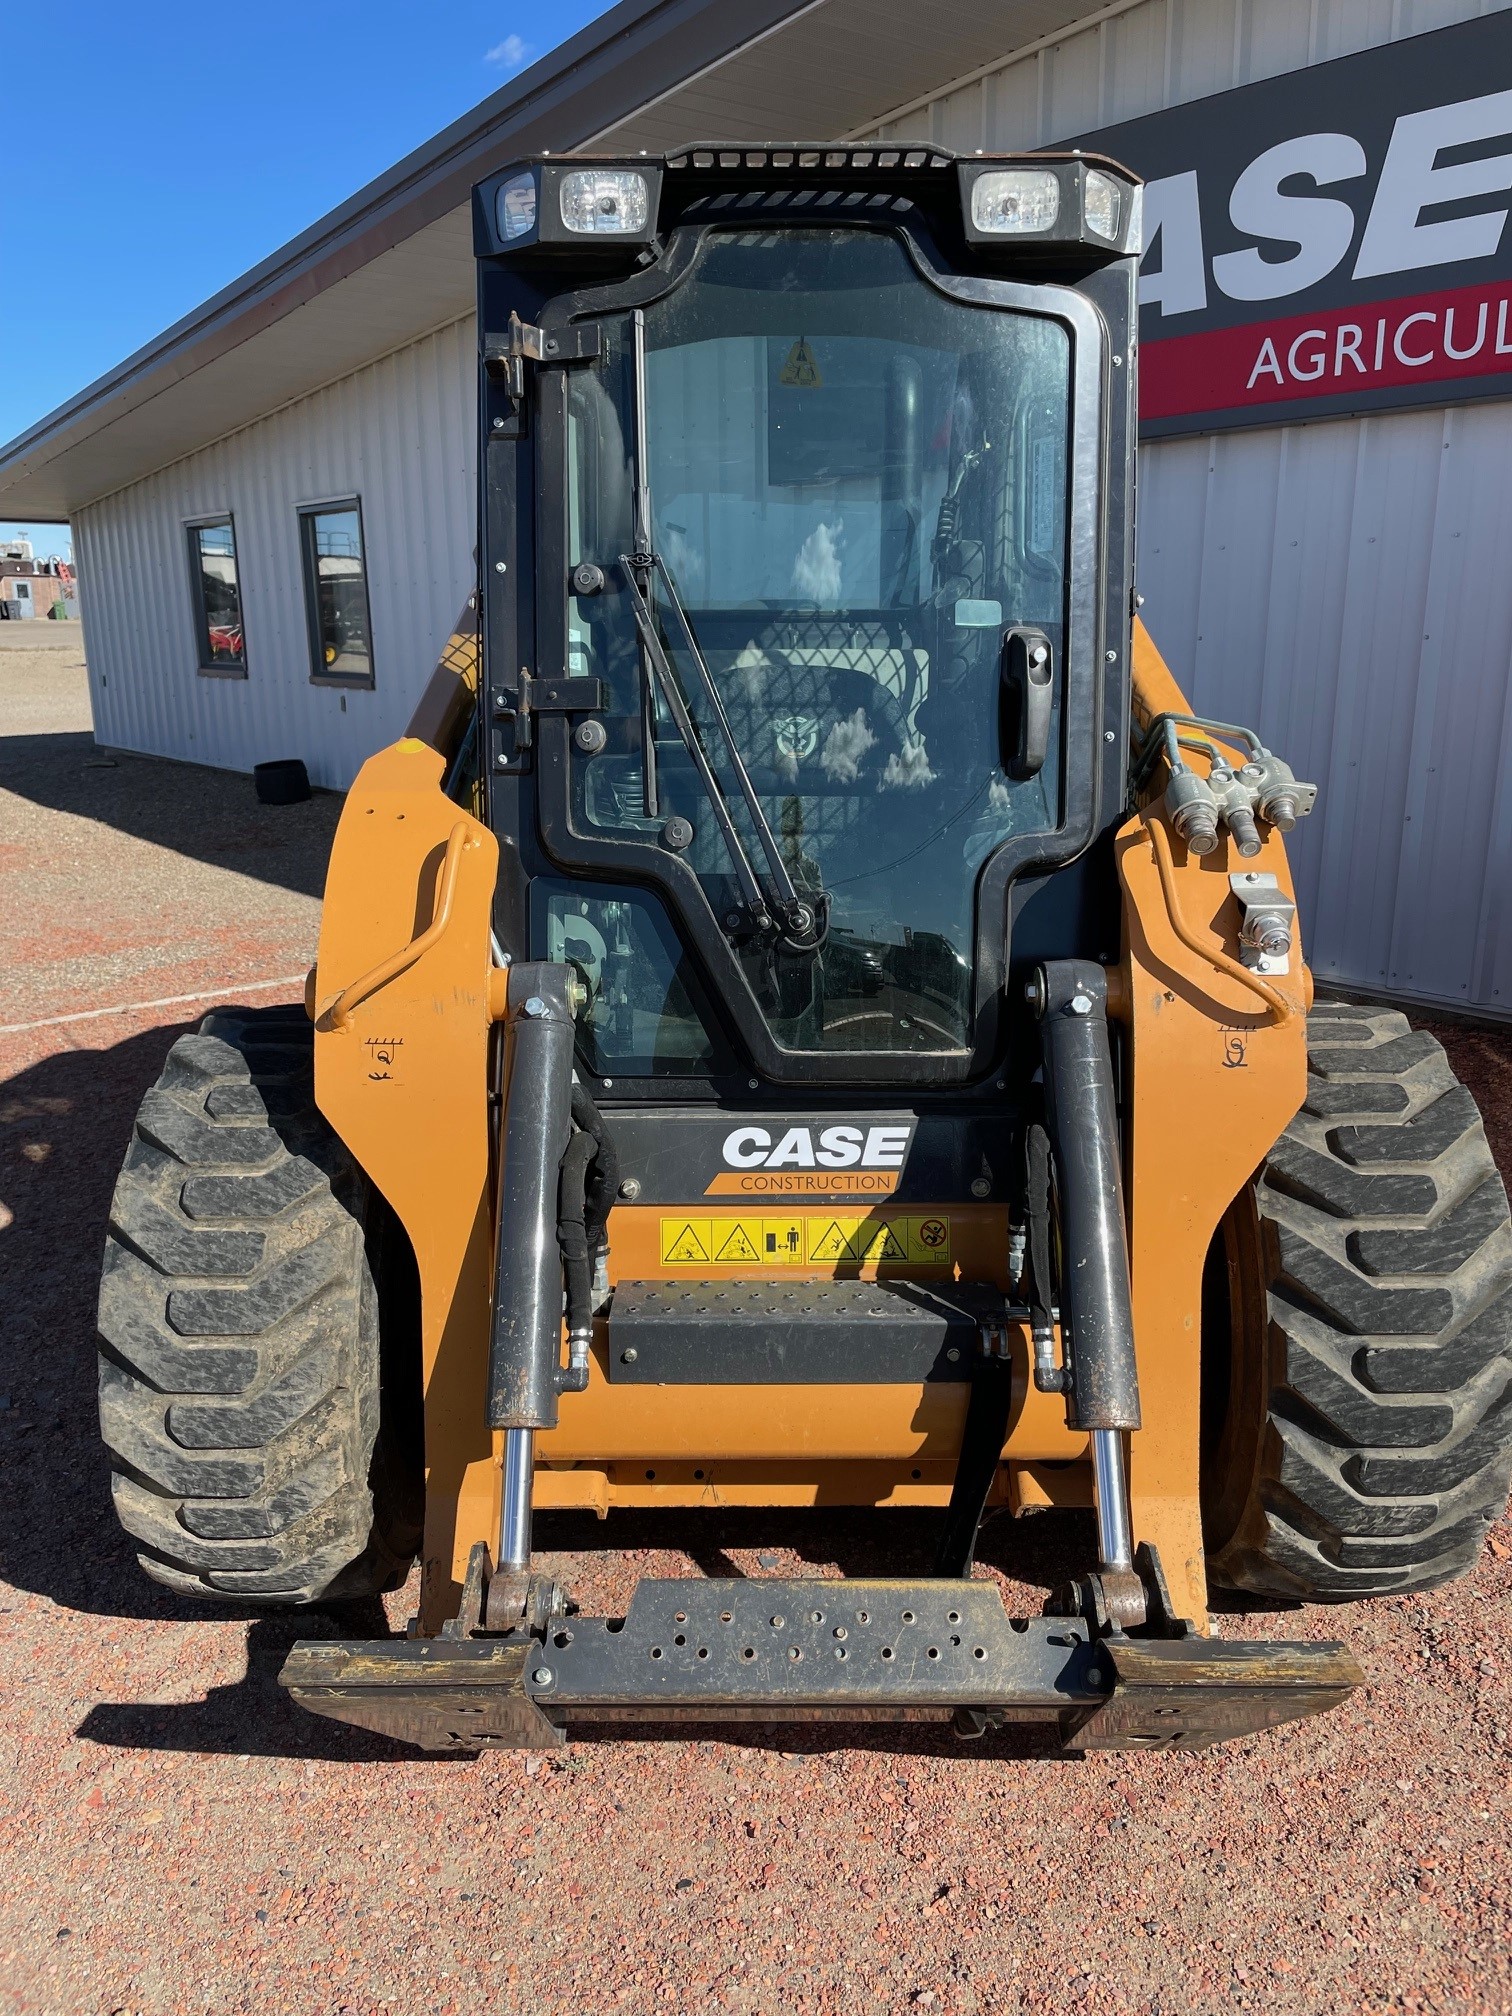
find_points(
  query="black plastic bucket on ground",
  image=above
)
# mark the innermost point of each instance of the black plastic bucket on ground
(285, 782)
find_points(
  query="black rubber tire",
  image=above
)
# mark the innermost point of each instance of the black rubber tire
(263, 1446)
(1358, 1373)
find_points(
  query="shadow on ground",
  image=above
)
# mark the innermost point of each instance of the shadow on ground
(206, 815)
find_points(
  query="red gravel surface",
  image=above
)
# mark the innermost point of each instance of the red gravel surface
(175, 1837)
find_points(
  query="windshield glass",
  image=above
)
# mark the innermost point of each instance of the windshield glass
(856, 484)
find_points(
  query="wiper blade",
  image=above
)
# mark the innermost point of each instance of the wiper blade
(677, 707)
(800, 914)
(641, 538)
(801, 920)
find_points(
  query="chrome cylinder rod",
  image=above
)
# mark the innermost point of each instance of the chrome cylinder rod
(514, 1508)
(1115, 1539)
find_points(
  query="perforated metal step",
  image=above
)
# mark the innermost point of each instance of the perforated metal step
(736, 1333)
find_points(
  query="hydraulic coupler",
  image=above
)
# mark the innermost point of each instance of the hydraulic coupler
(1070, 997)
(525, 1345)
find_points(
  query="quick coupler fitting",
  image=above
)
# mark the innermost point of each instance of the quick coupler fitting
(1280, 800)
(1235, 808)
(1048, 1376)
(1192, 810)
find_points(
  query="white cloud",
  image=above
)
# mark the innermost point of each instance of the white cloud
(510, 54)
(816, 570)
(908, 768)
(844, 748)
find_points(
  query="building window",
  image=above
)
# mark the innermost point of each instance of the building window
(336, 599)
(217, 597)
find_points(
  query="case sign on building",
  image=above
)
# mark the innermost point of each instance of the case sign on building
(1331, 241)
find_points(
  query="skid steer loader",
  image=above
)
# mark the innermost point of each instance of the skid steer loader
(808, 1016)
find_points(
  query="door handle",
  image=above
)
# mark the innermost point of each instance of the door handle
(1027, 688)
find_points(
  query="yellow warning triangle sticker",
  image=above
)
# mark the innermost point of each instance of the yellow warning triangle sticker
(801, 368)
(832, 1244)
(883, 1243)
(686, 1245)
(737, 1246)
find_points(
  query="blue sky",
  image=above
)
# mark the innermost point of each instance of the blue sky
(169, 148)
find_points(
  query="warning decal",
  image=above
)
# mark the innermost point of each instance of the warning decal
(821, 1239)
(882, 1241)
(782, 1242)
(831, 1240)
(801, 367)
(684, 1241)
(928, 1236)
(732, 1242)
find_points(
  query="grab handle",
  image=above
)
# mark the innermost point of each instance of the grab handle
(339, 1014)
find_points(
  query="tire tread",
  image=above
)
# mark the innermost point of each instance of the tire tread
(1386, 1450)
(239, 1361)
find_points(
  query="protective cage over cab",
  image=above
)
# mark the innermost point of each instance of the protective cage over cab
(811, 538)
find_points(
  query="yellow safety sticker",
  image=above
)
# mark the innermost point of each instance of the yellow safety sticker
(735, 1240)
(685, 1241)
(882, 1239)
(817, 1239)
(833, 1238)
(801, 367)
(928, 1238)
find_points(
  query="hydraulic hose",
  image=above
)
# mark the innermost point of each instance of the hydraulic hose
(603, 1174)
(588, 1185)
(577, 1259)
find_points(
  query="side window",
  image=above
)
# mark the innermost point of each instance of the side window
(336, 597)
(216, 593)
(643, 1016)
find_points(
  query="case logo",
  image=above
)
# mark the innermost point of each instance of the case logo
(842, 1158)
(796, 735)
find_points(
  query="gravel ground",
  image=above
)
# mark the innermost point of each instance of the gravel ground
(177, 1838)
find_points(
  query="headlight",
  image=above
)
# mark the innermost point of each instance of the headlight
(516, 207)
(1010, 200)
(609, 202)
(1101, 205)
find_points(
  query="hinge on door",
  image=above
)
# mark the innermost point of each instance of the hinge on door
(505, 356)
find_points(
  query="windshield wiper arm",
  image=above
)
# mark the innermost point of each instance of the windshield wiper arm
(796, 913)
(801, 921)
(664, 676)
(640, 534)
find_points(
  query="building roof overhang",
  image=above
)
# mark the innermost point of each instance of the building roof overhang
(395, 261)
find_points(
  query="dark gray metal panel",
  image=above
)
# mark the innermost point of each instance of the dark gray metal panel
(798, 1650)
(802, 1333)
(827, 1644)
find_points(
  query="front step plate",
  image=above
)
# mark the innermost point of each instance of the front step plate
(846, 1651)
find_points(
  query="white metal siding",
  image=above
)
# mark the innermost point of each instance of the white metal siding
(1143, 55)
(398, 434)
(1343, 586)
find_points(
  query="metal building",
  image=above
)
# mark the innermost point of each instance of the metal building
(1329, 568)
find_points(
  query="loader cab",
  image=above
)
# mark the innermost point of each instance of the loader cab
(806, 581)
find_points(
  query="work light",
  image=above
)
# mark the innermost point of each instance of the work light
(517, 207)
(1042, 208)
(605, 201)
(1102, 205)
(1012, 200)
